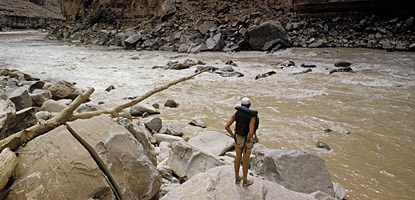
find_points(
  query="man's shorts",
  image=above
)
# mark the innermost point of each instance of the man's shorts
(240, 141)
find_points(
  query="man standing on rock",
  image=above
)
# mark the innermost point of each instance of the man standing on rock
(244, 130)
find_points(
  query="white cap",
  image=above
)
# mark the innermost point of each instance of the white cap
(245, 101)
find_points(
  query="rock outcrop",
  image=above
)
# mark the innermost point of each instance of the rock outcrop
(88, 159)
(296, 170)
(219, 183)
(25, 14)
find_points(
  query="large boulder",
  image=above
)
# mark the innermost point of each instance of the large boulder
(7, 112)
(57, 166)
(63, 90)
(212, 142)
(267, 36)
(294, 169)
(20, 97)
(187, 160)
(219, 183)
(120, 155)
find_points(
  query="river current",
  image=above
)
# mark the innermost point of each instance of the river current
(371, 111)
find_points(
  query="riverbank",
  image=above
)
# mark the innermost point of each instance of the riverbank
(190, 27)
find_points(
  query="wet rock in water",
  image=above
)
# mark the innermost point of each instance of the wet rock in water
(109, 88)
(327, 130)
(308, 66)
(341, 69)
(154, 124)
(339, 191)
(342, 64)
(322, 145)
(206, 68)
(197, 122)
(140, 109)
(265, 75)
(230, 62)
(171, 103)
(230, 74)
(156, 105)
(287, 63)
(303, 72)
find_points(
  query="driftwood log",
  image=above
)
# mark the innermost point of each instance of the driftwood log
(18, 139)
(8, 162)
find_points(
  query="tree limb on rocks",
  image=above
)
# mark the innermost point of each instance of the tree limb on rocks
(18, 139)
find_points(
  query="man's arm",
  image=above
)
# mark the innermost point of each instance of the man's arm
(228, 125)
(251, 129)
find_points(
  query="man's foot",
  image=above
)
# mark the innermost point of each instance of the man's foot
(247, 182)
(238, 179)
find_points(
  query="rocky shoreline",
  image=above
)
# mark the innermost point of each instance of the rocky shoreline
(174, 167)
(192, 28)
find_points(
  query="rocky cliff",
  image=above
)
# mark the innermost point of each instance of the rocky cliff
(27, 14)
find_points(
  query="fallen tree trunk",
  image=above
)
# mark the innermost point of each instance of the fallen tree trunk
(8, 162)
(16, 140)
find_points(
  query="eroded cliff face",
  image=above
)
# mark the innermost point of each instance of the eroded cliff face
(28, 14)
(122, 8)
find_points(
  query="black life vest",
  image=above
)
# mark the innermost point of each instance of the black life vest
(243, 116)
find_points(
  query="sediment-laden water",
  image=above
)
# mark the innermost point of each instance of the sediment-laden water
(371, 112)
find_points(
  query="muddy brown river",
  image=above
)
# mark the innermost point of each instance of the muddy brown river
(371, 112)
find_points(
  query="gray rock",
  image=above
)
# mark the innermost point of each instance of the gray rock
(187, 160)
(166, 138)
(59, 168)
(54, 106)
(63, 90)
(174, 130)
(215, 43)
(142, 135)
(219, 183)
(339, 191)
(140, 109)
(43, 116)
(342, 64)
(213, 142)
(154, 125)
(207, 26)
(24, 118)
(258, 36)
(132, 40)
(322, 196)
(120, 154)
(39, 96)
(7, 112)
(20, 97)
(296, 170)
(171, 103)
(197, 122)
